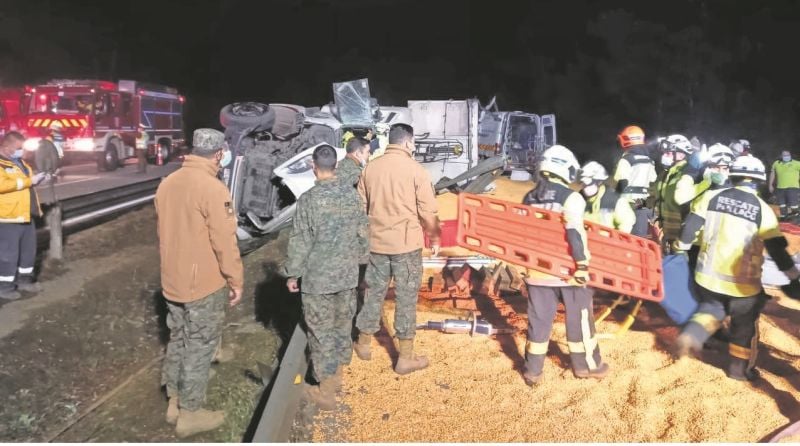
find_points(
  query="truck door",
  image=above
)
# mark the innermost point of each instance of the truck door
(549, 130)
(522, 140)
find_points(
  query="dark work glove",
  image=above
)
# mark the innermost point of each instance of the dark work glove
(581, 275)
(792, 289)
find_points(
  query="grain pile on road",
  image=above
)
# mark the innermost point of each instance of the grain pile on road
(473, 390)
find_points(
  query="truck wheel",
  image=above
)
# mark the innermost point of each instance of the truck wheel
(108, 160)
(166, 151)
(251, 115)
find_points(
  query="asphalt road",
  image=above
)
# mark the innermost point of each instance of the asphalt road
(82, 179)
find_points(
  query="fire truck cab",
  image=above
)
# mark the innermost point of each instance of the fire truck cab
(106, 120)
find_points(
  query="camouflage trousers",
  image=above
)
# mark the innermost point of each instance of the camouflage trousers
(194, 332)
(329, 318)
(407, 272)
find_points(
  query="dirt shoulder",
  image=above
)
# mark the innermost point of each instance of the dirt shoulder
(100, 320)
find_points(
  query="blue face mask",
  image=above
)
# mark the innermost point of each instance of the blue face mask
(786, 159)
(18, 153)
(226, 158)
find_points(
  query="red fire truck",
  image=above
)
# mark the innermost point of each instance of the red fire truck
(11, 109)
(107, 120)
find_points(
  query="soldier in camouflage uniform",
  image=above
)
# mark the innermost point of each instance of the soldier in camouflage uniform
(349, 169)
(329, 237)
(401, 207)
(201, 272)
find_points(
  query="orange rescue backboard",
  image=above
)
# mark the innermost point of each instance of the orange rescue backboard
(535, 238)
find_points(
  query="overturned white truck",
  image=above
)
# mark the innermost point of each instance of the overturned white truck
(459, 142)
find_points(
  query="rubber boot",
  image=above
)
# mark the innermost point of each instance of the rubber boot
(686, 344)
(173, 411)
(200, 420)
(10, 294)
(324, 395)
(362, 346)
(531, 379)
(599, 373)
(738, 370)
(29, 287)
(408, 362)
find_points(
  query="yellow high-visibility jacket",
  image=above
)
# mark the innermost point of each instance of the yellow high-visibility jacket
(17, 199)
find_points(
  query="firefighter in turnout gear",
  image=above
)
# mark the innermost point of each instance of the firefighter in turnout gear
(603, 205)
(736, 227)
(633, 176)
(558, 169)
(675, 149)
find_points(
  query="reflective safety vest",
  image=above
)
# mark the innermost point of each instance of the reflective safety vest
(556, 196)
(639, 170)
(609, 209)
(735, 222)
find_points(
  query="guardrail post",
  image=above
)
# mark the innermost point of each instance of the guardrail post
(56, 241)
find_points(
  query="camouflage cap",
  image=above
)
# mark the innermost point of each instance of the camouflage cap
(207, 141)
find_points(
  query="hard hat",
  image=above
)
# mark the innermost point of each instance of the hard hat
(748, 167)
(745, 143)
(720, 155)
(593, 171)
(560, 161)
(737, 148)
(677, 143)
(630, 136)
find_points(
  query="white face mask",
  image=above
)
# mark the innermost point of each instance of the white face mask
(590, 190)
(786, 159)
(666, 160)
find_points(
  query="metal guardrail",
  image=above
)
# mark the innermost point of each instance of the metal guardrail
(84, 209)
(283, 393)
(105, 201)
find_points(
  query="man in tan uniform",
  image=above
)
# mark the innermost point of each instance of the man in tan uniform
(401, 204)
(201, 271)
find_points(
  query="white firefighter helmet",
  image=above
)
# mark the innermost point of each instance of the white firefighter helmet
(748, 167)
(720, 155)
(593, 171)
(677, 143)
(560, 161)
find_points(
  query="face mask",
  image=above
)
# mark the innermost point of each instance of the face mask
(666, 160)
(18, 153)
(226, 158)
(786, 159)
(590, 190)
(718, 178)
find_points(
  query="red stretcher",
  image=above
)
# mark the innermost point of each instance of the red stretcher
(535, 238)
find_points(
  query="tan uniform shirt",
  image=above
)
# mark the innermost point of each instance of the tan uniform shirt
(400, 202)
(197, 233)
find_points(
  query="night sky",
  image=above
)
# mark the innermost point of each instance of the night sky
(717, 69)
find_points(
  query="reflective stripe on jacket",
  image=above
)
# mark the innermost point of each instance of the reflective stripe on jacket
(735, 222)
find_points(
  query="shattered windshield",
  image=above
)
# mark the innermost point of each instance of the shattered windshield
(353, 101)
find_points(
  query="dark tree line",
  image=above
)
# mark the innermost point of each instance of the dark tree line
(716, 69)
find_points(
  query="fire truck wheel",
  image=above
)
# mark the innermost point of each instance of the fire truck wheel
(253, 115)
(108, 160)
(166, 153)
